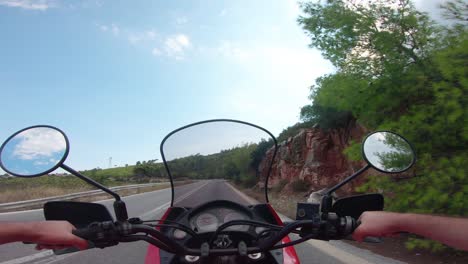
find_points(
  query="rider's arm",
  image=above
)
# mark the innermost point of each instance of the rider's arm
(44, 233)
(448, 230)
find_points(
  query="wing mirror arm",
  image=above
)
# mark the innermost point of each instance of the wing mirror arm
(348, 179)
(119, 205)
(327, 199)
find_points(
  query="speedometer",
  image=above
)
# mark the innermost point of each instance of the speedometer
(235, 216)
(206, 222)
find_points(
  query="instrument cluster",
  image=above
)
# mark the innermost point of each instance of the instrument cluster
(210, 220)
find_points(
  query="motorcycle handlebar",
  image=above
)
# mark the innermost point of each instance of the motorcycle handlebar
(107, 234)
(84, 233)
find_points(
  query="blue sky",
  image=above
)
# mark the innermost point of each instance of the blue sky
(117, 76)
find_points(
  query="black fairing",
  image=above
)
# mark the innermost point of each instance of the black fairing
(354, 206)
(80, 214)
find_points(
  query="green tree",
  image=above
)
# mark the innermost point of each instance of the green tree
(398, 70)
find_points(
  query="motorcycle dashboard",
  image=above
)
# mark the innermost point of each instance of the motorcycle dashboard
(209, 220)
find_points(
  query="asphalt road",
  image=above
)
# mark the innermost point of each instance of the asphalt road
(152, 205)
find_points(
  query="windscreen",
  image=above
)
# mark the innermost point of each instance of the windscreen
(216, 160)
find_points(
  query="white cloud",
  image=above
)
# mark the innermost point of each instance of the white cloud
(175, 46)
(172, 46)
(30, 4)
(39, 142)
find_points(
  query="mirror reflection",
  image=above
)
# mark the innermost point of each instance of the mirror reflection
(33, 152)
(388, 152)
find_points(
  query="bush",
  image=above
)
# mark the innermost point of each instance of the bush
(278, 187)
(300, 186)
(248, 180)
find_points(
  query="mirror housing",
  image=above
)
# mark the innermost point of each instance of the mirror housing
(34, 151)
(388, 152)
(355, 205)
(79, 214)
(38, 150)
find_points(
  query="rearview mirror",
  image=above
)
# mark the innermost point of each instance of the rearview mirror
(388, 152)
(34, 151)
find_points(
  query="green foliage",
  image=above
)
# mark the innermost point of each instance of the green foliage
(325, 117)
(258, 153)
(248, 180)
(293, 130)
(235, 164)
(397, 70)
(414, 243)
(354, 151)
(148, 169)
(62, 182)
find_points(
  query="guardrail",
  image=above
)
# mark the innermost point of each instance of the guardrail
(40, 201)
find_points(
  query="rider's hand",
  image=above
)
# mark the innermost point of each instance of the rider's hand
(377, 224)
(56, 235)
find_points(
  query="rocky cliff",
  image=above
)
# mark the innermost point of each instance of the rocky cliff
(316, 157)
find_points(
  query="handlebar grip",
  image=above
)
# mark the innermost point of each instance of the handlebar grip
(369, 239)
(84, 233)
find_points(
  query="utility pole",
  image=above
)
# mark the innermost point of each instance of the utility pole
(110, 162)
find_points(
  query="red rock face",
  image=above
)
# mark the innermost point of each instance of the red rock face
(315, 156)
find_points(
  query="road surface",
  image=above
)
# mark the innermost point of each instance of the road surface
(152, 205)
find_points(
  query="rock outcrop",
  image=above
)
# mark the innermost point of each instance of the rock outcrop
(316, 157)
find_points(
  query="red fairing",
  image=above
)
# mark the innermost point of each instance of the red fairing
(289, 253)
(152, 255)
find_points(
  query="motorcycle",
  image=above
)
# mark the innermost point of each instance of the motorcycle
(209, 219)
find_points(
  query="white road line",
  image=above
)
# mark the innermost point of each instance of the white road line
(168, 203)
(54, 258)
(244, 196)
(190, 193)
(155, 210)
(29, 258)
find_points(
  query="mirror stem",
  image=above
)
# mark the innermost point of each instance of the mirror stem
(120, 210)
(90, 181)
(349, 178)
